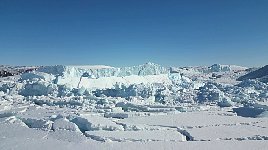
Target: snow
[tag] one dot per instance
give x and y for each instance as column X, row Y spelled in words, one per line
column 136, row 136
column 146, row 106
column 232, row 132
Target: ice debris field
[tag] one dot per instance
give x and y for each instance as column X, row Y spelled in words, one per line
column 141, row 107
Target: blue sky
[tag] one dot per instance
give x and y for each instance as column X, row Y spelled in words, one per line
column 131, row 32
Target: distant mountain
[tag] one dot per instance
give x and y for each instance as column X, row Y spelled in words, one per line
column 257, row 74
column 6, row 71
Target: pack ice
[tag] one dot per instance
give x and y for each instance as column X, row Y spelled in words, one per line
column 146, row 106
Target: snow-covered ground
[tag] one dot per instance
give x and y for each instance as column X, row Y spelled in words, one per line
column 140, row 107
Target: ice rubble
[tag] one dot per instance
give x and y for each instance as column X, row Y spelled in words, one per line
column 149, row 87
column 64, row 124
column 92, row 123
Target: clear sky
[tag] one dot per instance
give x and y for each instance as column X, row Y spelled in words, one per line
column 132, row 32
